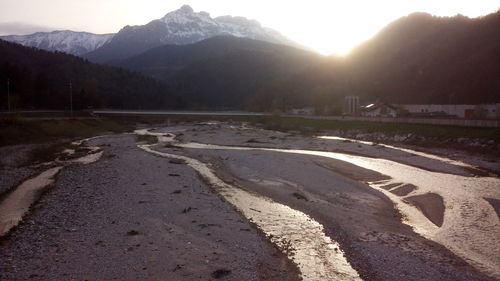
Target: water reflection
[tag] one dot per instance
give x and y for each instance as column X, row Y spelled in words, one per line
column 471, row 228
column 17, row 203
column 296, row 234
column 426, row 155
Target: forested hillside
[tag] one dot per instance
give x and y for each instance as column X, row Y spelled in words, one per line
column 222, row 72
column 416, row 59
column 40, row 80
column 426, row 59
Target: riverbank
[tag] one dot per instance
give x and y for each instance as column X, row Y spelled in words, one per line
column 480, row 146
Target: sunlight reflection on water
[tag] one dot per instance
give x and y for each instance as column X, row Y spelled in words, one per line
column 467, row 214
column 471, row 228
column 299, row 236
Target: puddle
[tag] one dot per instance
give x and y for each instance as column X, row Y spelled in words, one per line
column 317, row 256
column 17, row 203
column 470, row 226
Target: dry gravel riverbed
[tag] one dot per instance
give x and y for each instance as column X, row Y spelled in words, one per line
column 142, row 215
column 134, row 216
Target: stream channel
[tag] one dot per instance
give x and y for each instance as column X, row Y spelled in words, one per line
column 467, row 224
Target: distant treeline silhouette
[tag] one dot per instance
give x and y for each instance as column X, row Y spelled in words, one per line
column 41, row 80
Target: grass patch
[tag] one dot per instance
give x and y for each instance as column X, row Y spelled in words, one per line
column 19, row 130
column 306, row 126
column 46, row 153
column 16, row 131
column 426, row 130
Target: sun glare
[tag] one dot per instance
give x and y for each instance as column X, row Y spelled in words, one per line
column 327, row 26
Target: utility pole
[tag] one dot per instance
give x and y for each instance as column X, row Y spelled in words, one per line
column 71, row 98
column 8, row 94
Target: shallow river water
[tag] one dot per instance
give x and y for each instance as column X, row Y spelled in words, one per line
column 18, row 202
column 299, row 236
column 470, row 227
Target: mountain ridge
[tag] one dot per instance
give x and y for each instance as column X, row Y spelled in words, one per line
column 180, row 27
column 163, row 61
column 432, row 60
column 67, row 41
column 416, row 59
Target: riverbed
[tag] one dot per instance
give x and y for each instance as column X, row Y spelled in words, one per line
column 234, row 202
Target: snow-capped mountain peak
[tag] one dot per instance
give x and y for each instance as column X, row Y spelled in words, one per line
column 180, row 27
column 186, row 16
column 185, row 9
column 71, row 42
column 191, row 26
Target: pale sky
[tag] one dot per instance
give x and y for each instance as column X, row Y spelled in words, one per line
column 327, row 26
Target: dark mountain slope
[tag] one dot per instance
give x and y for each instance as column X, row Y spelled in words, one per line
column 163, row 62
column 40, row 79
column 416, row 59
column 223, row 71
column 426, row 59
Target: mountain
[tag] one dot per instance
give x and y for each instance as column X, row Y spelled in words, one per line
column 426, row 59
column 183, row 26
column 417, row 59
column 164, row 61
column 223, row 72
column 40, row 80
column 71, row 42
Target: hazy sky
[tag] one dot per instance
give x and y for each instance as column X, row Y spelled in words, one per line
column 328, row 26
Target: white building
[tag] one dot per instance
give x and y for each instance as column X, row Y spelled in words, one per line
column 379, row 110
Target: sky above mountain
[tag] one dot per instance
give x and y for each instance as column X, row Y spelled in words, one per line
column 327, row 26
